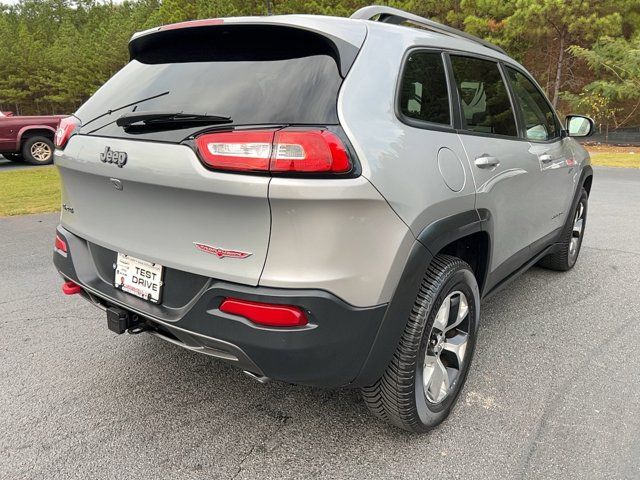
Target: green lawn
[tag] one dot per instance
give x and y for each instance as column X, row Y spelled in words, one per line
column 37, row 190
column 629, row 160
column 34, row 190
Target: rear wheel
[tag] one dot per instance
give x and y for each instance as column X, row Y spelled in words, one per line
column 13, row 157
column 430, row 365
column 38, row 151
column 567, row 255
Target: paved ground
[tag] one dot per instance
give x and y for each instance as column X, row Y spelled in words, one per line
column 6, row 165
column 554, row 390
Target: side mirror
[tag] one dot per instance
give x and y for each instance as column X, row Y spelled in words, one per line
column 580, row 126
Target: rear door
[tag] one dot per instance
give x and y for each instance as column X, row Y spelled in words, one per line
column 503, row 169
column 159, row 202
column 542, row 129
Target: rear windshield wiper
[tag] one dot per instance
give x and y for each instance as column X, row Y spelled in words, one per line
column 151, row 120
column 109, row 112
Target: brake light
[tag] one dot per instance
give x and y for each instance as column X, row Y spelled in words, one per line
column 309, row 151
column 288, row 150
column 60, row 244
column 207, row 22
column 66, row 128
column 266, row 314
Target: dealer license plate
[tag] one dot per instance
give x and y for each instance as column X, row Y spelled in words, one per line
column 139, row 277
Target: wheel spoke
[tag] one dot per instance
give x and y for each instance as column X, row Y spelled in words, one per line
column 461, row 312
column 457, row 346
column 577, row 227
column 442, row 317
column 438, row 386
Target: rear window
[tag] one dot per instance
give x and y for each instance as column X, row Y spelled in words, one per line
column 254, row 82
column 423, row 92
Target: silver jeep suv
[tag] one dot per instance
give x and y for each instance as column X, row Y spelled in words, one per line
column 317, row 200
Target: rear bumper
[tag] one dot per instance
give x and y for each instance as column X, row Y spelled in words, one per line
column 333, row 350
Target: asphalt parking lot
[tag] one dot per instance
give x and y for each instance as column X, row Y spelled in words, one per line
column 554, row 390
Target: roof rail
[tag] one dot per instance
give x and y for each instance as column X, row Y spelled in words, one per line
column 396, row 17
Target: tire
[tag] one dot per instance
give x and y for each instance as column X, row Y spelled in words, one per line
column 13, row 157
column 399, row 397
column 38, row 151
column 571, row 240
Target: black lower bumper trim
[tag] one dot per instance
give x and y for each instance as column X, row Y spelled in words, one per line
column 330, row 351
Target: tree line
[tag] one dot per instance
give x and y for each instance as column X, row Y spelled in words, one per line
column 585, row 53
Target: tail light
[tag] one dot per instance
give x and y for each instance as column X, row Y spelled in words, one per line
column 266, row 314
column 288, row 150
column 238, row 150
column 66, row 128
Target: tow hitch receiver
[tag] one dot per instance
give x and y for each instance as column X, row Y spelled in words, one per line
column 119, row 321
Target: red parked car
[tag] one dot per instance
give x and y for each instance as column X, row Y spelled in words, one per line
column 28, row 139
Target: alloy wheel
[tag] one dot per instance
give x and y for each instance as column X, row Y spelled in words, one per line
column 41, row 152
column 576, row 234
column 446, row 351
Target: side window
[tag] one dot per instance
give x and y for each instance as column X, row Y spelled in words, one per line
column 540, row 122
column 484, row 97
column 423, row 90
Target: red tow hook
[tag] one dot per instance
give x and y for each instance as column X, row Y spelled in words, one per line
column 71, row 288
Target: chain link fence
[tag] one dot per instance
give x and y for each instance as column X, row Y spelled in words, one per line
column 619, row 136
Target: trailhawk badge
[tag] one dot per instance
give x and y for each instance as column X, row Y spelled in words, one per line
column 221, row 252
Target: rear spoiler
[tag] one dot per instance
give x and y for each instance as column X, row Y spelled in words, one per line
column 245, row 39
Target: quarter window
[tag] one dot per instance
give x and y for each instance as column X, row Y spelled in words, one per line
column 540, row 122
column 483, row 95
column 423, row 91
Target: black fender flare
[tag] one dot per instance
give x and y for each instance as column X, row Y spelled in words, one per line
column 428, row 243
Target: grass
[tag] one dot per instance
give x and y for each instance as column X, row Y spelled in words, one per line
column 628, row 160
column 33, row 190
column 37, row 190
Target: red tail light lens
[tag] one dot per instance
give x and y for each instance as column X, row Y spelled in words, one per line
column 287, row 150
column 266, row 314
column 309, row 151
column 60, row 244
column 66, row 128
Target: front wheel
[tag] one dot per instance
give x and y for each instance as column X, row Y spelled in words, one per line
column 38, row 151
column 569, row 246
column 430, row 365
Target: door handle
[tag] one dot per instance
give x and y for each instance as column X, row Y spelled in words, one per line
column 546, row 158
column 487, row 161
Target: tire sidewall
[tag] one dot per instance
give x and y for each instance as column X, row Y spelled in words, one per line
column 584, row 199
column 432, row 414
column 26, row 150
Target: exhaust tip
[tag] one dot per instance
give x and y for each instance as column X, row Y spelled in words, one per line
column 258, row 378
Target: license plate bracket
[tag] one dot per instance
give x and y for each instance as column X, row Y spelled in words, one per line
column 138, row 277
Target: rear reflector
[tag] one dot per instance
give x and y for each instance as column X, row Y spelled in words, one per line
column 60, row 244
column 288, row 150
column 266, row 314
column 71, row 288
